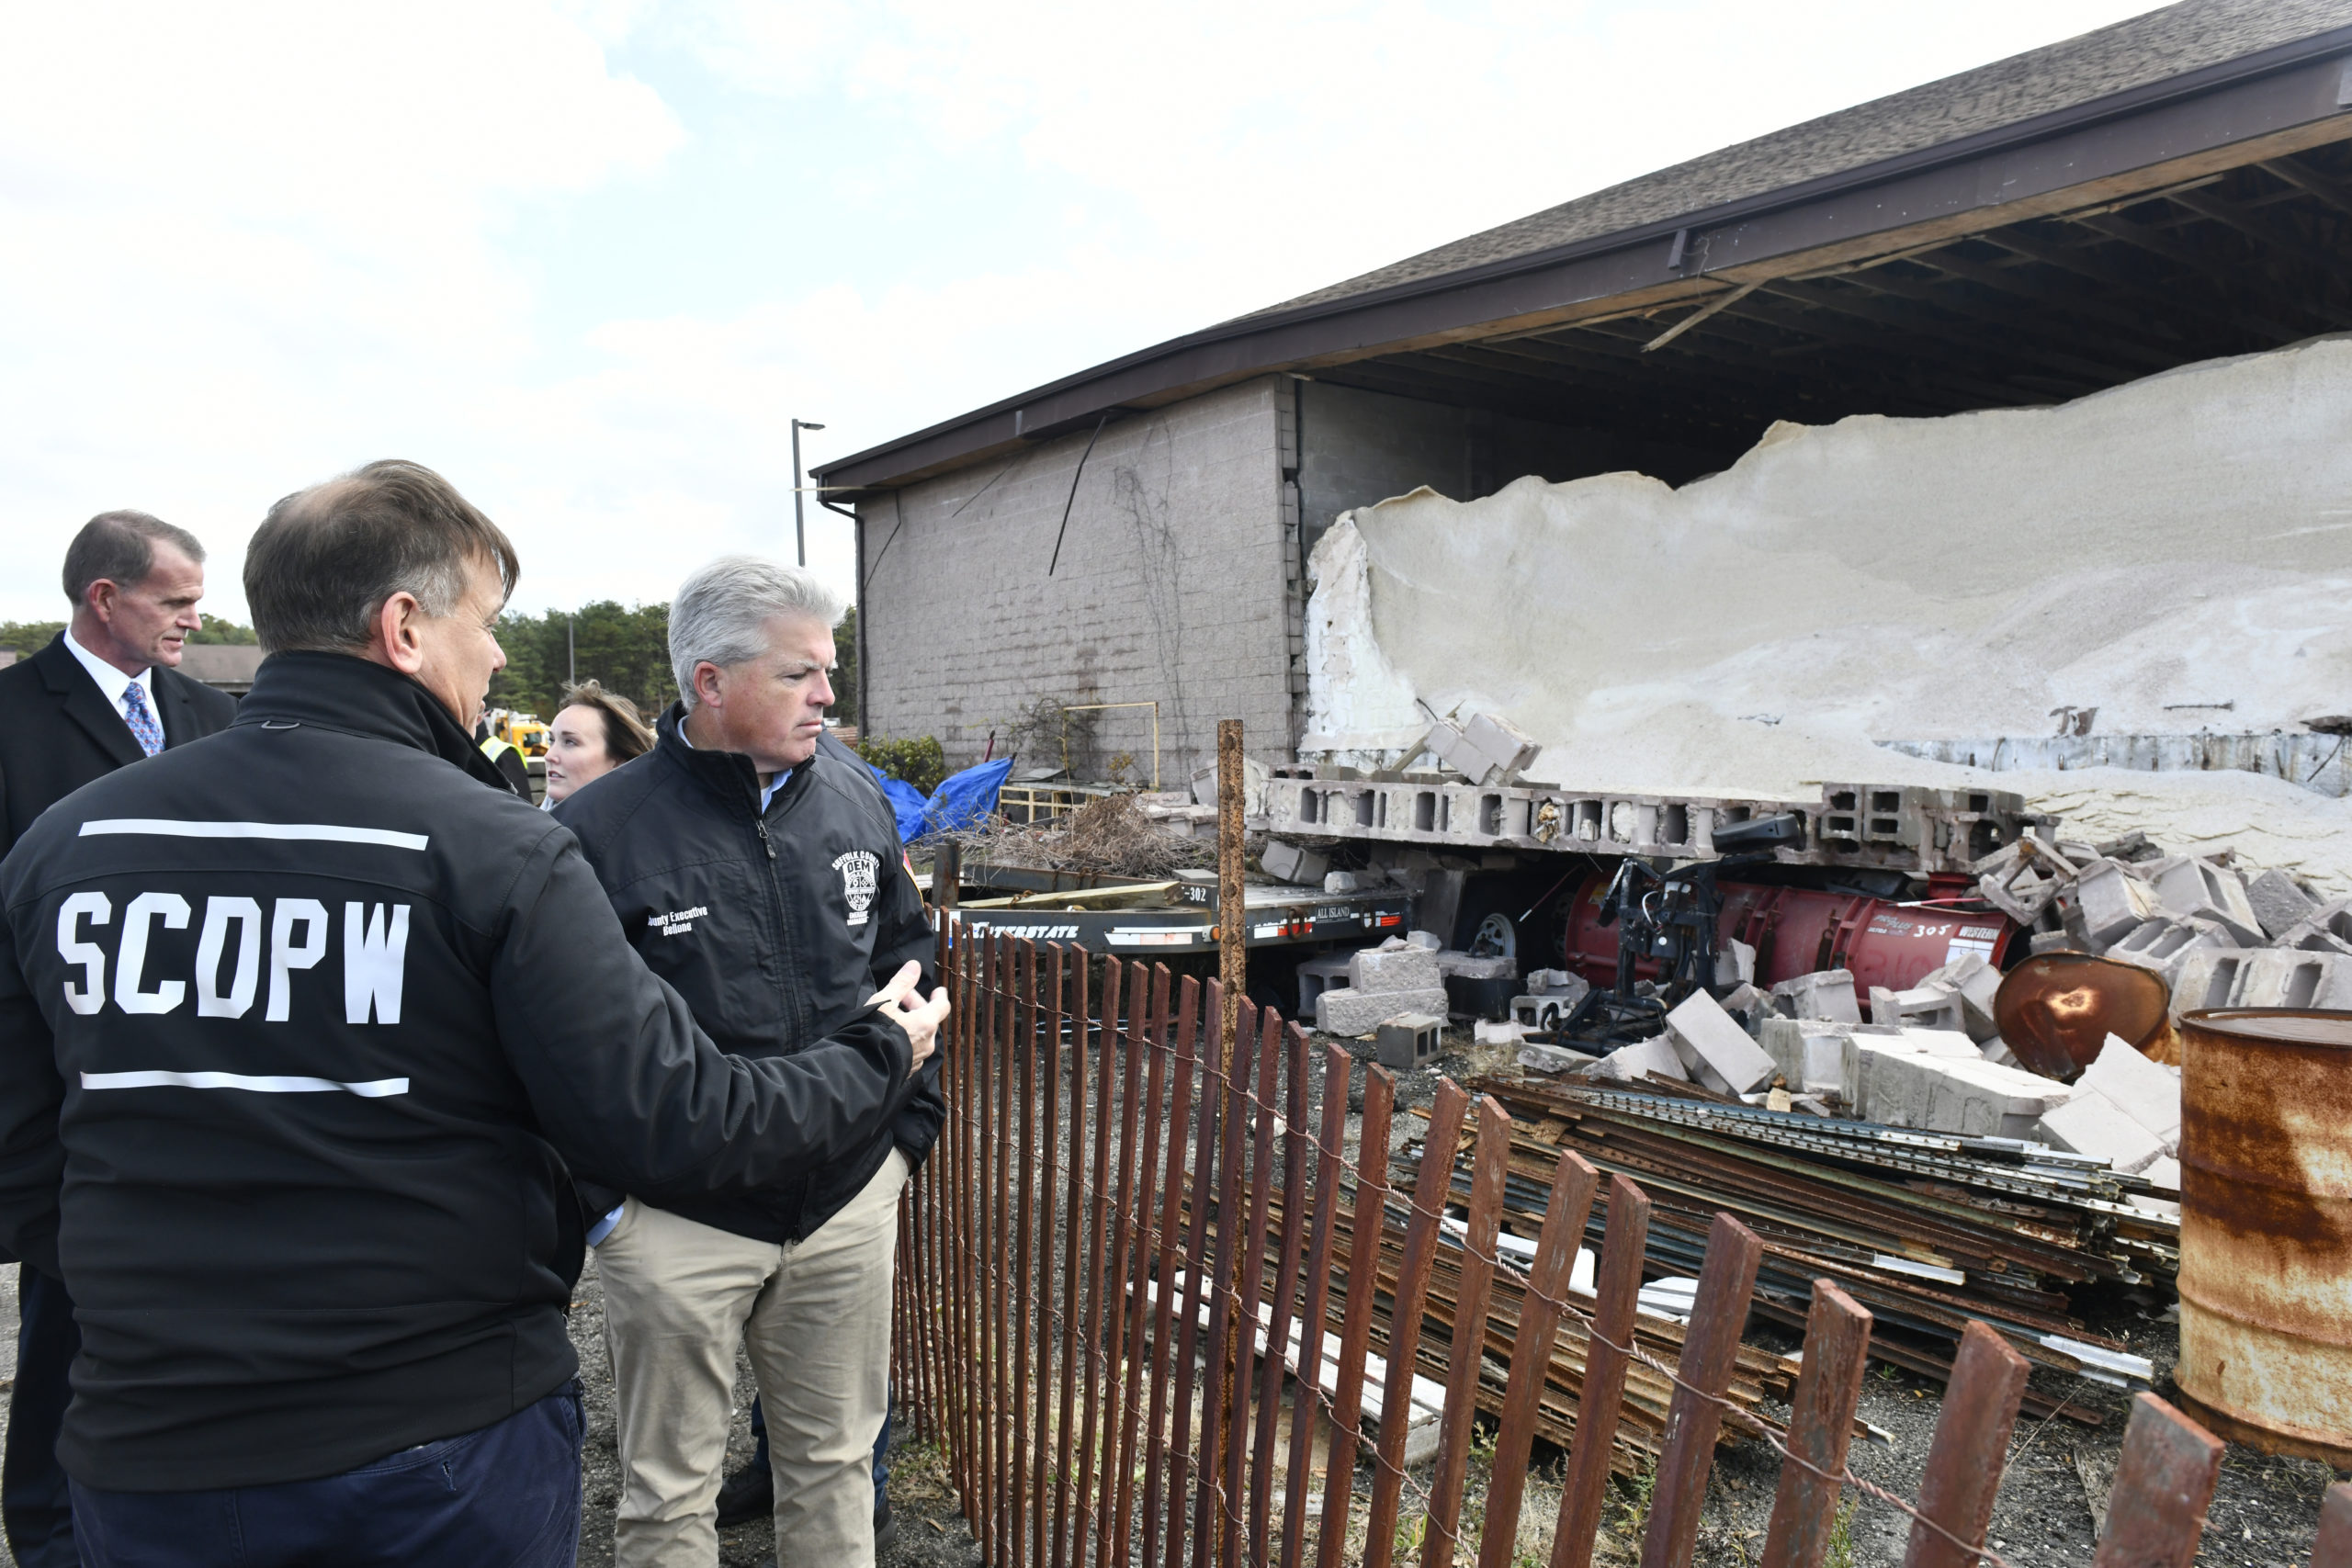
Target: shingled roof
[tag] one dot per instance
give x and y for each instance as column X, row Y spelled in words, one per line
column 2179, row 94
column 2153, row 48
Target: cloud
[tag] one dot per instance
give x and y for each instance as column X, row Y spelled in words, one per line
column 248, row 246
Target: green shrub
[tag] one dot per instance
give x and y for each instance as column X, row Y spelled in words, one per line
column 920, row 762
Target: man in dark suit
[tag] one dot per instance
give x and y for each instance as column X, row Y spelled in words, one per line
column 103, row 693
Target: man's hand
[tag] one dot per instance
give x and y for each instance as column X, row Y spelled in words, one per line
column 903, row 1005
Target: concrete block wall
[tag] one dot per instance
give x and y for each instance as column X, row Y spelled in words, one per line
column 1171, row 587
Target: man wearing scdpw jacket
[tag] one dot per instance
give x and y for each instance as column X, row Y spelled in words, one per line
column 756, row 866
column 303, row 1030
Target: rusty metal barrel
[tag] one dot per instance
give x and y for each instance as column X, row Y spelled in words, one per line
column 2265, row 1228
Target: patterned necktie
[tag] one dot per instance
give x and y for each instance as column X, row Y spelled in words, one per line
column 141, row 719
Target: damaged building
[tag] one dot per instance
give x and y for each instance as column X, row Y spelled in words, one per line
column 2171, row 192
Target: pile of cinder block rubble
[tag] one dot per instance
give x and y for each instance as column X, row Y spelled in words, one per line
column 1401, row 982
column 1928, row 1059
column 2218, row 938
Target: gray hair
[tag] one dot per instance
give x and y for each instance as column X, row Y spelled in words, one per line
column 119, row 547
column 720, row 615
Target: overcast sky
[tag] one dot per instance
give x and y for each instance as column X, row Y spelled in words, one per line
column 588, row 259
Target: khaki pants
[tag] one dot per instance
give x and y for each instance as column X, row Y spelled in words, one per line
column 816, row 1320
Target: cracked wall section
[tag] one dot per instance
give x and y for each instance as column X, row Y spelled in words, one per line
column 1170, row 587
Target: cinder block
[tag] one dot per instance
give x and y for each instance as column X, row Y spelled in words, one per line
column 2141, row 1088
column 1996, row 1051
column 2021, row 879
column 2188, row 887
column 2286, row 978
column 1340, row 881
column 2106, row 901
column 1505, row 748
column 1424, row 939
column 1319, row 974
column 1746, row 1003
column 1978, row 983
column 1823, row 994
column 1630, row 1062
column 1952, row 1043
column 1492, row 1032
column 1701, row 1022
column 1547, row 1011
column 2279, row 903
column 1865, row 1057
column 1805, row 1053
column 1409, row 1039
column 2207, row 978
column 2165, row 943
column 1973, row 1097
column 1925, row 1006
column 2327, row 929
column 1554, row 1059
column 1292, row 863
column 1735, row 964
column 1347, row 1011
column 2090, row 1124
column 1544, row 982
column 1500, row 967
column 1398, row 969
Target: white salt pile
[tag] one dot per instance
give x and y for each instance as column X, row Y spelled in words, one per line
column 2184, row 539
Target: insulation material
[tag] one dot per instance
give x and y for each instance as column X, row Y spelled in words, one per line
column 2183, row 540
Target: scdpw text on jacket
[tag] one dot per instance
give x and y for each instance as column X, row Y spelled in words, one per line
column 303, row 1029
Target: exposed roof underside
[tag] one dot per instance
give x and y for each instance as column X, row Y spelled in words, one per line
column 2032, row 312
column 2178, row 187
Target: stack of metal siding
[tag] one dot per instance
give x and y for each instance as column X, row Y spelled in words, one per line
column 1927, row 1230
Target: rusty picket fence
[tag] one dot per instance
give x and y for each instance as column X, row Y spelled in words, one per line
column 1124, row 1314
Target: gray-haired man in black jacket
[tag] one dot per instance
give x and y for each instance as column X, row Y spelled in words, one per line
column 303, row 1030
column 758, row 870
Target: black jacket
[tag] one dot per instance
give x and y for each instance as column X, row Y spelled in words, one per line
column 58, row 732
column 775, row 927
column 326, row 1011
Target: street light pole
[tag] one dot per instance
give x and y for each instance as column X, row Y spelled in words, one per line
column 799, row 526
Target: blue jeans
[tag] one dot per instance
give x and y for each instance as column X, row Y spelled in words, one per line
column 507, row 1496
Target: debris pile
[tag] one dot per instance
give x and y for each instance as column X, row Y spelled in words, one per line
column 1757, row 1376
column 2216, row 938
column 1398, row 977
column 1113, row 836
column 1927, row 1230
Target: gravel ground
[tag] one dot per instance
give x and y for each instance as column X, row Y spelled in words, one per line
column 932, row 1534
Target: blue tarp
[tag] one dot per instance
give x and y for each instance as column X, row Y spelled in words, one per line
column 965, row 798
column 960, row 800
column 905, row 801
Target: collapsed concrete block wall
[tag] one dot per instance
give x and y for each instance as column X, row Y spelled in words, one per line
column 2180, row 540
column 1170, row 587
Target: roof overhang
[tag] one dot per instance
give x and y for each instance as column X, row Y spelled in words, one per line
column 2100, row 153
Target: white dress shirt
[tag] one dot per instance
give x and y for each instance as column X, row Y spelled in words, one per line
column 114, row 682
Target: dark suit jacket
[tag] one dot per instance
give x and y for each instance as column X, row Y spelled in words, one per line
column 58, row 732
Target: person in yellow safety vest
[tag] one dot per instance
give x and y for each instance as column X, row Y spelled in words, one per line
column 508, row 761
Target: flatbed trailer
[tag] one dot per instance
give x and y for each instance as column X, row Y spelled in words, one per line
column 1132, row 916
